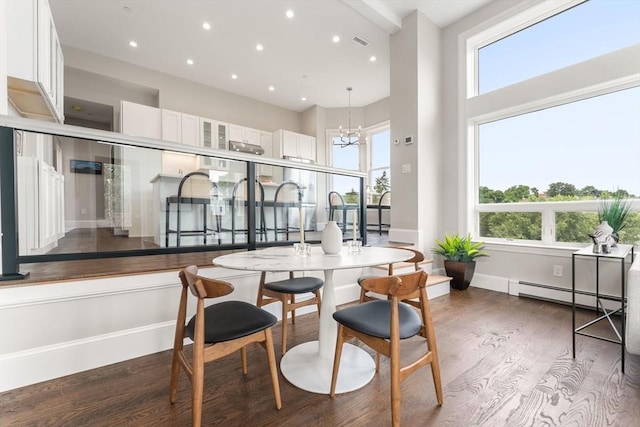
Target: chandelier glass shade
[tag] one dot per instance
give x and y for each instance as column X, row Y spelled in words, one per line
column 347, row 136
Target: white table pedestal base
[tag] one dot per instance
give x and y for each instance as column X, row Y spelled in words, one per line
column 303, row 367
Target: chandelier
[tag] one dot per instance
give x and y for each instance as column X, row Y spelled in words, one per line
column 348, row 137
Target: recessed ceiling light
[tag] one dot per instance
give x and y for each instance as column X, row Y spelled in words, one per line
column 271, row 88
column 304, row 98
column 206, row 25
column 132, row 43
column 335, row 39
column 234, row 76
column 289, row 13
column 372, row 59
column 190, row 61
column 259, row 47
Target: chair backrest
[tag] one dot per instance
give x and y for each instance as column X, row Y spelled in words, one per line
column 385, row 199
column 288, row 192
column 417, row 258
column 399, row 286
column 195, row 185
column 203, row 287
column 240, row 191
column 335, row 199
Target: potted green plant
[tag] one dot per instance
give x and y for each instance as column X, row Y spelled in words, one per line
column 615, row 212
column 459, row 258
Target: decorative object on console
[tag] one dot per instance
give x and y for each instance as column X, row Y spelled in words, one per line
column 331, row 238
column 615, row 212
column 460, row 254
column 348, row 137
column 602, row 238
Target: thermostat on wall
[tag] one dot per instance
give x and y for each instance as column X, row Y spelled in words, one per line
column 408, row 140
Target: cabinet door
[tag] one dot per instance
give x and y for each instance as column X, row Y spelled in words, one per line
column 236, row 133
column 252, row 136
column 171, row 125
column 207, row 133
column 140, row 120
column 60, row 85
column 222, row 132
column 289, row 144
column 307, row 147
column 190, row 132
column 45, row 50
column 21, row 35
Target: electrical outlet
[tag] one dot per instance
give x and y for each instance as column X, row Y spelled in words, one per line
column 557, row 270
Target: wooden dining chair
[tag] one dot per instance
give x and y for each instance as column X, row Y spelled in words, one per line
column 416, row 259
column 216, row 331
column 285, row 291
column 381, row 324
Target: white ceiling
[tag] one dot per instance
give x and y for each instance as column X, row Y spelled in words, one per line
column 299, row 58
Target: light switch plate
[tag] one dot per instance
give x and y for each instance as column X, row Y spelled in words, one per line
column 406, row 168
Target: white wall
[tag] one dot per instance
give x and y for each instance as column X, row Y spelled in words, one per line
column 183, row 95
column 416, row 112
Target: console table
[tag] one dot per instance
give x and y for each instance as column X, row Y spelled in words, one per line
column 618, row 253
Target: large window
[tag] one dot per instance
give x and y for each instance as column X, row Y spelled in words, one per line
column 380, row 162
column 546, row 155
column 588, row 30
column 345, row 158
column 372, row 157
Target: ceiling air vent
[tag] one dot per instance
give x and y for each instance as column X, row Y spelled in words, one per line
column 360, row 41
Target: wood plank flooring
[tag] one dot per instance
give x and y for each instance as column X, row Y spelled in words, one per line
column 506, row 361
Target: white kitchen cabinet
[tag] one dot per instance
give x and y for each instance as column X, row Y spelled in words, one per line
column 171, row 125
column 140, row 120
column 292, row 144
column 190, row 129
column 41, row 205
column 244, row 134
column 213, row 134
column 180, row 127
column 35, row 64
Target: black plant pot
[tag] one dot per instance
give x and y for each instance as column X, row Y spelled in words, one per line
column 461, row 273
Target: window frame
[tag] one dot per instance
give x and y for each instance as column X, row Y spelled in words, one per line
column 484, row 109
column 375, row 129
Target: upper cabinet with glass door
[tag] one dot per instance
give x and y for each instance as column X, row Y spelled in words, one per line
column 213, row 134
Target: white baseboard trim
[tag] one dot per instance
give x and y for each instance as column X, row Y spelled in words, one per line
column 44, row 363
column 399, row 235
column 489, row 282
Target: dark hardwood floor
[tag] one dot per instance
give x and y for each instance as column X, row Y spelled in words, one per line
column 506, row 361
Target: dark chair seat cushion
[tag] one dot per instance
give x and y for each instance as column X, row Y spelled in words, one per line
column 297, row 285
column 374, row 318
column 229, row 320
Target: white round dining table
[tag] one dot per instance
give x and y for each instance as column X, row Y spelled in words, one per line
column 309, row 366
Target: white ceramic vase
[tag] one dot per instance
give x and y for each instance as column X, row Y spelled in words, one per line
column 331, row 238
